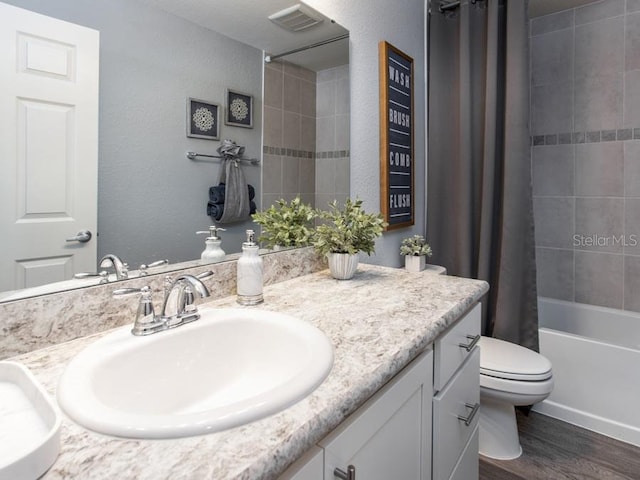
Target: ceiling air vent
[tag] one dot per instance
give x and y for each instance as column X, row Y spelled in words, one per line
column 297, row 18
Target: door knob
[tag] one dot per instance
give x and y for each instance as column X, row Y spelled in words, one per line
column 83, row 236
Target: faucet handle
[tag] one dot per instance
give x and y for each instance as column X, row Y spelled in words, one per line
column 144, row 269
column 146, row 321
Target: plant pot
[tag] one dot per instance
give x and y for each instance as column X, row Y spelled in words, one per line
column 342, row 265
column 415, row 263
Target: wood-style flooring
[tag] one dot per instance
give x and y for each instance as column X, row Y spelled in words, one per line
column 555, row 450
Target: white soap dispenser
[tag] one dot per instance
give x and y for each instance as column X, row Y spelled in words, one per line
column 249, row 273
column 213, row 251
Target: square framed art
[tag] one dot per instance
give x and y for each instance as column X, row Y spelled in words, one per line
column 239, row 109
column 203, row 119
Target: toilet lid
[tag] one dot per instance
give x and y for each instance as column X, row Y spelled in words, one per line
column 510, row 361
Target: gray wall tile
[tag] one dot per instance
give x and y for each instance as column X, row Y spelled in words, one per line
column 632, row 169
column 599, row 10
column 271, row 174
column 272, row 127
column 555, row 273
column 553, row 170
column 632, row 283
column 599, row 48
column 633, row 5
column 326, row 99
column 551, row 23
column 291, row 94
column 291, row 130
column 552, row 108
column 632, row 98
column 632, row 227
column 273, row 83
column 290, row 175
column 598, row 102
column 307, row 133
column 599, row 224
column 552, row 57
column 554, row 221
column 632, row 42
column 307, row 98
column 600, row 169
column 598, row 277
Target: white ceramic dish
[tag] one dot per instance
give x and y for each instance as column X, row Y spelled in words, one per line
column 29, row 425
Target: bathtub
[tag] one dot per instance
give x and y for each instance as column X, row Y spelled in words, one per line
column 595, row 353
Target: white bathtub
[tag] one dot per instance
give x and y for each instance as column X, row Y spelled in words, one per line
column 595, row 353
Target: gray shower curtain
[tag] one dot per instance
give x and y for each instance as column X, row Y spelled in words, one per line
column 479, row 206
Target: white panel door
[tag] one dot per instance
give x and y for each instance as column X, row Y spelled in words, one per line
column 48, row 147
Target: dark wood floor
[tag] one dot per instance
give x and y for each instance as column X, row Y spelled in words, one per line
column 555, row 450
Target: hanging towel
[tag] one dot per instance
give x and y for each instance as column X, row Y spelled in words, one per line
column 215, row 210
column 236, row 197
column 216, row 194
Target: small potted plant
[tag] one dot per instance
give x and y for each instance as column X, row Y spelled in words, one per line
column 415, row 250
column 343, row 233
column 286, row 224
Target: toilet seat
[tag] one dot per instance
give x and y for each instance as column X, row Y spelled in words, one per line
column 508, row 361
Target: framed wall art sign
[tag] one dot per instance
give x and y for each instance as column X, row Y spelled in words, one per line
column 203, row 119
column 239, row 109
column 396, row 137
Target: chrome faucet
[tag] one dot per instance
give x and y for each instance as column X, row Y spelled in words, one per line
column 121, row 268
column 178, row 307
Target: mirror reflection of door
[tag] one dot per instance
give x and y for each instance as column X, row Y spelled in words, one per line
column 48, row 148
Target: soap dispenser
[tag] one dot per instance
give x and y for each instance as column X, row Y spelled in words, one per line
column 249, row 273
column 213, row 252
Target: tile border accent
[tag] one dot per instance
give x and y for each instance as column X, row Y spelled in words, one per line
column 594, row 136
column 291, row 152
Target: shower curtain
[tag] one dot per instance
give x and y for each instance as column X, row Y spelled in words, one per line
column 479, row 205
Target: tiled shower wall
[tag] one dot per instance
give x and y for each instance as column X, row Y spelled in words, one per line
column 332, row 135
column 585, row 121
column 289, row 140
column 306, row 134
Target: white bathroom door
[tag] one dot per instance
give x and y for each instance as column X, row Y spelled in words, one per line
column 48, row 147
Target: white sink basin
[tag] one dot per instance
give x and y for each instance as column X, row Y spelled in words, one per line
column 229, row 368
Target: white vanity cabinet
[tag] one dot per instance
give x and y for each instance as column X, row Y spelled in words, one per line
column 390, row 435
column 422, row 425
column 387, row 437
column 456, row 401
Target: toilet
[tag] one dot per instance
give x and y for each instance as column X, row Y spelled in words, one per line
column 510, row 375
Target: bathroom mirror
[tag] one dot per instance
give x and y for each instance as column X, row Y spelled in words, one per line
column 154, row 55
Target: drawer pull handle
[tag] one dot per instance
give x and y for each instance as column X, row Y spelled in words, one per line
column 469, row 418
column 350, row 474
column 469, row 346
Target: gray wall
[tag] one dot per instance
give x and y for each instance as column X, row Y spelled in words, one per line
column 401, row 23
column 585, row 85
column 151, row 198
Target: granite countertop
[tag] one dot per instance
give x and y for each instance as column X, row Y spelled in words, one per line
column 377, row 322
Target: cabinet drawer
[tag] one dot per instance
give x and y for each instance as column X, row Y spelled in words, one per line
column 449, row 350
column 308, row 467
column 469, row 463
column 460, row 399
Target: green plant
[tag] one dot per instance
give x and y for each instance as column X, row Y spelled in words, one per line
column 415, row 245
column 347, row 230
column 286, row 224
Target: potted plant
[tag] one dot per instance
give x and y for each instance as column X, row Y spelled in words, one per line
column 343, row 233
column 415, row 250
column 286, row 224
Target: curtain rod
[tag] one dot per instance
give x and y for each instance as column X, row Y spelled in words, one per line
column 271, row 58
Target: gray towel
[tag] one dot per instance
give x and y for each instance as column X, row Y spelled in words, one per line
column 236, row 198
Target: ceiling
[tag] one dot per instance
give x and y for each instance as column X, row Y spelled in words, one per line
column 538, row 8
column 247, row 21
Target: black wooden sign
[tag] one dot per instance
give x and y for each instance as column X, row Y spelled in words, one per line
column 396, row 137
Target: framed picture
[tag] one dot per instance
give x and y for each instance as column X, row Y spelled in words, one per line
column 239, row 109
column 396, row 137
column 203, row 119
